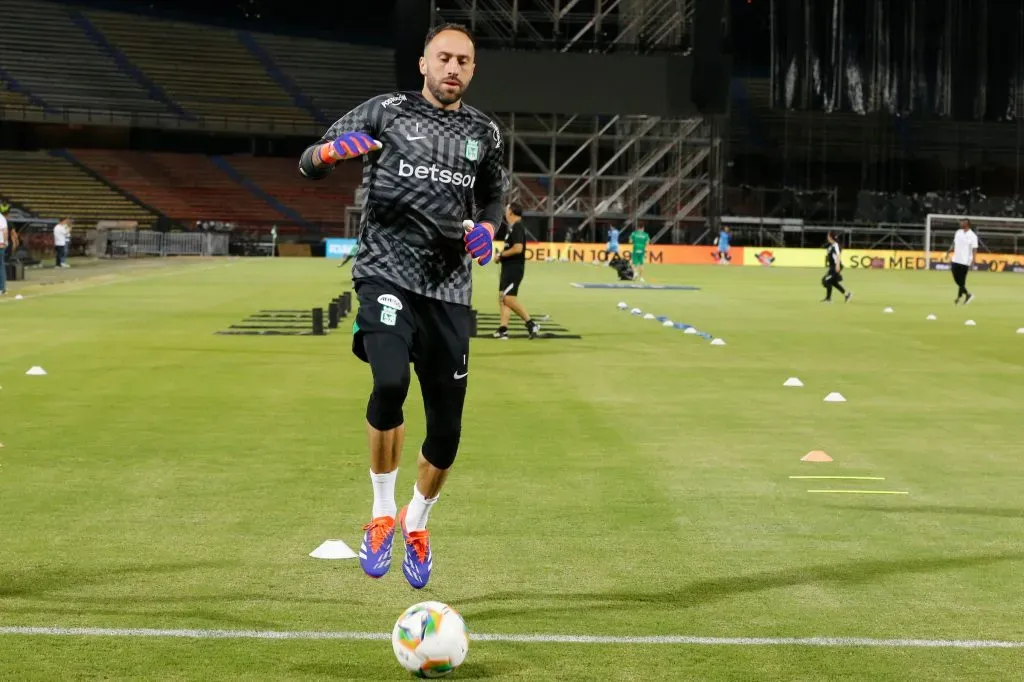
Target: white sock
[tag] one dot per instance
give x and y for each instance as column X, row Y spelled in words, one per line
column 384, row 494
column 419, row 510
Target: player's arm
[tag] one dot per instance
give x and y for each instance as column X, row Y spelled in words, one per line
column 489, row 198
column 352, row 135
column 515, row 243
column 490, row 187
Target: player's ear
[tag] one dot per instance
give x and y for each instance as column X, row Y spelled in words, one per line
column 423, row 66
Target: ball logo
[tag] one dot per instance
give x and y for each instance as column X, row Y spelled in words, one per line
column 435, row 174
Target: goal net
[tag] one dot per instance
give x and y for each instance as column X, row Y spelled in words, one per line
column 995, row 234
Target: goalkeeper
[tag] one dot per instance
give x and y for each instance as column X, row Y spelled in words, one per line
column 429, row 163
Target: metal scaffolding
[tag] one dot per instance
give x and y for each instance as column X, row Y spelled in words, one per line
column 582, row 173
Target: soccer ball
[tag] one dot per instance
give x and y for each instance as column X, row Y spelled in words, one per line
column 430, row 639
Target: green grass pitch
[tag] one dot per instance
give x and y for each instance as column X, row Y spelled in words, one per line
column 632, row 483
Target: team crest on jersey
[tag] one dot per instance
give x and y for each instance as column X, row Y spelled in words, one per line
column 472, row 150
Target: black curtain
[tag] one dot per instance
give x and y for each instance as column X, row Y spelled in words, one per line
column 958, row 59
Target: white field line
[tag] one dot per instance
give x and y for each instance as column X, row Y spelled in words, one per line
column 123, row 278
column 525, row 639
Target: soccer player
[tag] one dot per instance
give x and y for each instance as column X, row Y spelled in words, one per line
column 613, row 243
column 834, row 276
column 638, row 241
column 513, row 267
column 3, row 249
column 429, row 163
column 722, row 240
column 350, row 255
column 965, row 244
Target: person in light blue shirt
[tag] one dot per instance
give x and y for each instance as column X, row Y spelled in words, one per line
column 724, row 237
column 613, row 242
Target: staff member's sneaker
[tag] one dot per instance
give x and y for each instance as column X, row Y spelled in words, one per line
column 418, row 560
column 375, row 552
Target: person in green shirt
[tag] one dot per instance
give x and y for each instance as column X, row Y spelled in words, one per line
column 639, row 241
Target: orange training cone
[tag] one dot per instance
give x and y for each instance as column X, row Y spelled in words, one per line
column 816, row 456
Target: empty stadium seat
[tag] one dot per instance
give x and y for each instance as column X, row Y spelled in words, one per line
column 52, row 58
column 322, row 201
column 53, row 187
column 185, row 187
column 209, row 74
column 335, row 75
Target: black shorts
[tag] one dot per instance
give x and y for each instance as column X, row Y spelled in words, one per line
column 511, row 278
column 436, row 332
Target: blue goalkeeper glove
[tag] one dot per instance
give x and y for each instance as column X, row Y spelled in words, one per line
column 348, row 146
column 479, row 241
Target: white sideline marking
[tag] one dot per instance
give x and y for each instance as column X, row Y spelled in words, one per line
column 527, row 639
column 165, row 271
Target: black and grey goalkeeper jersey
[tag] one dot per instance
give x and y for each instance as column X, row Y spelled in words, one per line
column 435, row 169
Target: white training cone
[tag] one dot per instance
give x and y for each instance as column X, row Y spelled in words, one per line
column 333, row 549
column 931, row 317
column 717, row 342
column 887, row 310
column 690, row 330
column 18, row 297
column 622, row 305
column 36, row 371
column 835, row 398
column 1021, row 330
column 636, row 311
column 793, row 381
column 649, row 316
column 970, row 323
column 668, row 323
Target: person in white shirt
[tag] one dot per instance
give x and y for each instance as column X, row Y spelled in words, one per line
column 61, row 237
column 965, row 244
column 3, row 252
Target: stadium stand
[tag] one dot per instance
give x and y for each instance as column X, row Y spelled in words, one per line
column 336, row 76
column 131, row 172
column 185, row 187
column 11, row 98
column 52, row 57
column 212, row 74
column 317, row 202
column 50, row 186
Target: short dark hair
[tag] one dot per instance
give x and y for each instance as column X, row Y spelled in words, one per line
column 432, row 33
column 516, row 209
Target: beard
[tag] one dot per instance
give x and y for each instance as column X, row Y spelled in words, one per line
column 441, row 92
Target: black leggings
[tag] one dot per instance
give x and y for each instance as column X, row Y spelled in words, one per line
column 960, row 277
column 388, row 357
column 832, row 281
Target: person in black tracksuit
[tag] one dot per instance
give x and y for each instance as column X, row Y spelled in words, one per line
column 834, row 277
column 513, row 268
